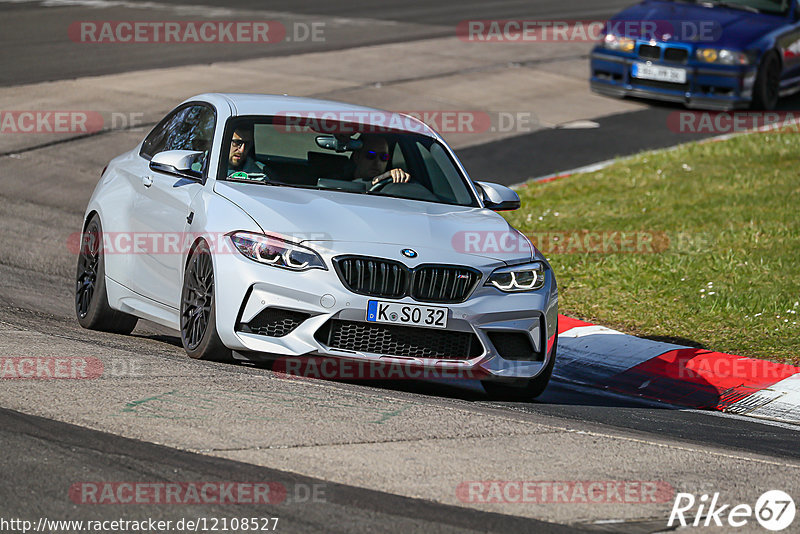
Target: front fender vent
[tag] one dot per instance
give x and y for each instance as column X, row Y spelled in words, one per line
column 273, row 322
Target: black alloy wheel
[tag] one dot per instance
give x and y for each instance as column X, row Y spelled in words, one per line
column 198, row 318
column 91, row 298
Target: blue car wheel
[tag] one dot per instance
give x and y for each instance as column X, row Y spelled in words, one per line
column 765, row 92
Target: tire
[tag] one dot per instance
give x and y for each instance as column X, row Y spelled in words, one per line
column 767, row 85
column 524, row 389
column 198, row 316
column 91, row 299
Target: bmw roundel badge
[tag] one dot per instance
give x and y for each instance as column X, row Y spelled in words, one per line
column 409, row 253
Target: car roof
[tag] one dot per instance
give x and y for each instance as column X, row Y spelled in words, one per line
column 262, row 104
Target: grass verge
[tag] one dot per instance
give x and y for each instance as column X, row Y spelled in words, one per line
column 698, row 245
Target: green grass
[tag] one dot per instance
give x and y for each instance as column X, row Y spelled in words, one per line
column 728, row 279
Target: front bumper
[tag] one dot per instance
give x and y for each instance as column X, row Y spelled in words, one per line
column 317, row 299
column 706, row 87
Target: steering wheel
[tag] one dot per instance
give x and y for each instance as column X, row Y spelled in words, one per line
column 380, row 184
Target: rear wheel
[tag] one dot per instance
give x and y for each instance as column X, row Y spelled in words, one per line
column 91, row 299
column 767, row 85
column 523, row 389
column 198, row 317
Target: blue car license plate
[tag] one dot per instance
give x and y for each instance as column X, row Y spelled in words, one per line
column 658, row 73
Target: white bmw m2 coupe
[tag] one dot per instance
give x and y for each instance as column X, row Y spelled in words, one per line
column 263, row 227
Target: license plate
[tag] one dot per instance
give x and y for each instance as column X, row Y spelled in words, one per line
column 659, row 73
column 406, row 314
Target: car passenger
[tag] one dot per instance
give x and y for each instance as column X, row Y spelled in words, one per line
column 241, row 154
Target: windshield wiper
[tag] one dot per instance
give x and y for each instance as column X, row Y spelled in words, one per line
column 255, row 178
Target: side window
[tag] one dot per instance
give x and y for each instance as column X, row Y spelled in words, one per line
column 188, row 128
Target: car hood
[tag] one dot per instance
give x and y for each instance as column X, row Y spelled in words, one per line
column 336, row 216
column 723, row 27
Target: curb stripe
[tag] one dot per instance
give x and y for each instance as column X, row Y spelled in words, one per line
column 684, row 376
column 722, row 371
column 567, row 323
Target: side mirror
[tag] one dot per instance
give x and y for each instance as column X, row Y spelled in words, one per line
column 498, row 197
column 183, row 163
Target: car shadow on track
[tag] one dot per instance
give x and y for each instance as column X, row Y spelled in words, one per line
column 617, row 393
column 676, row 341
column 584, row 387
column 558, row 393
column 161, row 338
column 789, row 103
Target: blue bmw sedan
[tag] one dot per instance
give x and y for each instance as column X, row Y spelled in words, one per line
column 705, row 54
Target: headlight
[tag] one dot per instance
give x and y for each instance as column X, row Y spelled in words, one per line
column 623, row 44
column 528, row 277
column 276, row 252
column 722, row 56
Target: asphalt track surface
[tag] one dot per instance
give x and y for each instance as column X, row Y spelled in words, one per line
column 42, row 457
column 71, row 448
column 37, row 47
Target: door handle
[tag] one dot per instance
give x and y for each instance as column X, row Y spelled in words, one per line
column 147, row 181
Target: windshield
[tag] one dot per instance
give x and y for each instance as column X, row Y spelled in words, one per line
column 343, row 156
column 773, row 7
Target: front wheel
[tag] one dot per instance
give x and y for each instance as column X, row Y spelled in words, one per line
column 523, row 389
column 767, row 85
column 198, row 317
column 91, row 298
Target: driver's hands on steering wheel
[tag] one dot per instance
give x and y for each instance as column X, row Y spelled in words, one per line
column 397, row 175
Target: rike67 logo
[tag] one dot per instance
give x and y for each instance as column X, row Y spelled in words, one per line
column 774, row 510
